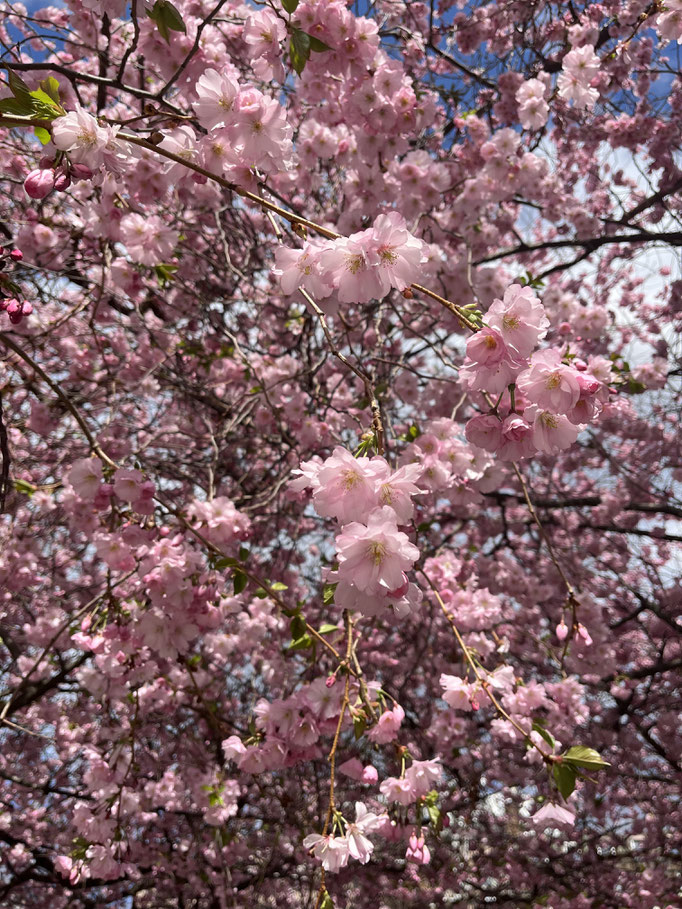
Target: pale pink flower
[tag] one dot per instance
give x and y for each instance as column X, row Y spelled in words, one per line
column 553, row 432
column 301, row 268
column 423, row 775
column 128, row 484
column 86, row 476
column 346, row 264
column 359, row 846
column 458, row 693
column 484, row 431
column 346, row 486
column 398, row 790
column 487, row 348
column 217, row 93
column 398, row 489
column 549, row 383
column 394, row 251
column 79, row 134
column 148, row 240
column 553, row 815
column 374, row 556
column 387, row 727
column 520, row 318
column 233, row 748
column 582, row 62
column 517, row 438
column 262, row 32
column 332, row 851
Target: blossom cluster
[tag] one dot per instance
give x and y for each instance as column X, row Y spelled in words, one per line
column 334, row 851
column 373, row 555
column 579, row 67
column 355, row 269
column 553, row 398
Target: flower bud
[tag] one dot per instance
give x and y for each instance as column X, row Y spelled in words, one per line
column 39, row 183
column 62, row 181
column 562, row 630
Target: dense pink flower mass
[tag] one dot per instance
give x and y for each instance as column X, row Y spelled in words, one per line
column 340, row 479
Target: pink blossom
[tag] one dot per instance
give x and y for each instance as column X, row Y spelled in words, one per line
column 86, row 476
column 549, row 383
column 487, row 347
column 347, row 266
column 553, row 432
column 484, row 431
column 387, row 727
column 397, row 490
column 520, row 319
column 301, row 267
column 217, row 93
column 417, row 852
column 458, row 693
column 374, row 556
column 398, row 790
column 360, row 846
column 394, row 251
column 128, row 484
column 346, row 486
column 332, row 851
column 553, row 815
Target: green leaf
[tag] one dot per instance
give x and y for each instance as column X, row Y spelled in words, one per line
column 297, row 626
column 582, row 756
column 327, row 902
column 327, row 628
column 21, row 108
column 290, row 5
column 164, row 273
column 278, row 585
column 43, row 98
column 564, row 777
column 24, row 487
column 328, row 594
column 547, row 736
column 359, row 725
column 435, row 817
column 317, row 45
column 167, row 19
column 299, row 49
column 240, row 581
column 42, row 135
column 51, row 88
column 302, row 643
column 17, row 85
column 225, row 562
column 243, row 553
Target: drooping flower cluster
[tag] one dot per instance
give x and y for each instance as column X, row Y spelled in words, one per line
column 358, row 268
column 553, row 397
column 334, row 851
column 373, row 555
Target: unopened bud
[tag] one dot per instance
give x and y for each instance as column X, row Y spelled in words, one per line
column 562, row 630
column 39, row 183
column 62, row 181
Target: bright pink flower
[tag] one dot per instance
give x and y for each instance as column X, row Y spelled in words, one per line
column 517, row 438
column 39, row 183
column 374, row 556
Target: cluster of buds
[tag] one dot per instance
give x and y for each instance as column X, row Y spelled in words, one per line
column 16, row 309
column 52, row 175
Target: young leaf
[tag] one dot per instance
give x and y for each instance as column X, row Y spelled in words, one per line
column 547, row 736
column 290, row 5
column 167, row 19
column 240, row 581
column 582, row 756
column 327, row 628
column 42, row 135
column 359, row 725
column 51, row 88
column 19, row 88
column 317, row 45
column 564, row 777
column 299, row 49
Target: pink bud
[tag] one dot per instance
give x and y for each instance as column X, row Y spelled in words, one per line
column 39, row 183
column 81, row 172
column 61, row 182
column 330, row 681
column 17, row 255
column 584, row 634
column 562, row 630
column 399, row 592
